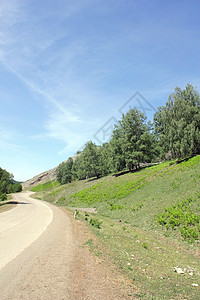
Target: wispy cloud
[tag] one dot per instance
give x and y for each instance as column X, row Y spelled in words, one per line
column 44, row 78
column 6, row 140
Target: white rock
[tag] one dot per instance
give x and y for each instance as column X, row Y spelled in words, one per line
column 195, row 284
column 178, row 270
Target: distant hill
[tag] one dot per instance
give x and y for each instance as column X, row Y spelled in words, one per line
column 42, row 177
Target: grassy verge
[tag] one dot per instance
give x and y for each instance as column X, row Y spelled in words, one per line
column 133, row 211
column 6, row 205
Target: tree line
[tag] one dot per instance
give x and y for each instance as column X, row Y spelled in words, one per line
column 8, row 184
column 174, row 133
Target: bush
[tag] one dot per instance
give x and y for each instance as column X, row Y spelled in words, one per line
column 183, row 216
column 96, row 223
column 3, row 197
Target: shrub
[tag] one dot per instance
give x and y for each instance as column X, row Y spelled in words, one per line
column 96, row 223
column 183, row 216
column 3, row 197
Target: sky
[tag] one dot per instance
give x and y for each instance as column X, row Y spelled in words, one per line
column 69, row 69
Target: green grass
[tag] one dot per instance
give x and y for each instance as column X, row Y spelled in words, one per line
column 146, row 220
column 185, row 217
column 45, row 186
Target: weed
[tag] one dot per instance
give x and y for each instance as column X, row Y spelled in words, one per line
column 96, row 223
column 113, row 206
column 145, row 246
column 183, row 216
column 89, row 242
column 98, row 253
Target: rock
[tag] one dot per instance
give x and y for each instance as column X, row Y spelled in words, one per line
column 195, row 284
column 178, row 270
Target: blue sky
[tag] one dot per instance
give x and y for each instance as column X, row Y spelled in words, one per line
column 68, row 67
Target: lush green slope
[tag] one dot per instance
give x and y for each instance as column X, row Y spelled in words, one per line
column 49, row 185
column 144, row 218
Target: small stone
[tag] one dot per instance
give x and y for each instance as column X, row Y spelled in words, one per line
column 178, row 270
column 195, row 284
column 128, row 264
column 191, row 273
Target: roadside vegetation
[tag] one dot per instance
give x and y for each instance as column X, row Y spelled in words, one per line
column 146, row 214
column 8, row 185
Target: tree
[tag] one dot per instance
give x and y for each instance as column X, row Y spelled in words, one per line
column 7, row 183
column 64, row 171
column 132, row 140
column 3, row 197
column 117, row 155
column 78, row 169
column 177, row 124
column 105, row 159
column 91, row 160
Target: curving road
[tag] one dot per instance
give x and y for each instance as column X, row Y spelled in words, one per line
column 22, row 225
column 36, row 251
column 42, row 256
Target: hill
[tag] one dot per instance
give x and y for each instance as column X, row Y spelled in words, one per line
column 49, row 175
column 40, row 179
column 147, row 223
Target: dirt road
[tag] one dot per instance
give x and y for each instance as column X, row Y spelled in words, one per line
column 22, row 225
column 55, row 264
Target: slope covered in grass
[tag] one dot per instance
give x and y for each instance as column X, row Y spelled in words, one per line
column 49, row 185
column 145, row 219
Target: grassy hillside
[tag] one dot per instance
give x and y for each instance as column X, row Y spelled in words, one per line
column 147, row 222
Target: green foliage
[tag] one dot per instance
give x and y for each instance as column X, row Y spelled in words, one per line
column 177, row 124
column 176, row 134
column 16, row 187
column 89, row 163
column 96, row 223
column 113, row 206
column 64, row 171
column 145, row 246
column 106, row 159
column 132, row 141
column 3, row 197
column 184, row 216
column 91, row 160
column 7, row 183
column 78, row 169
